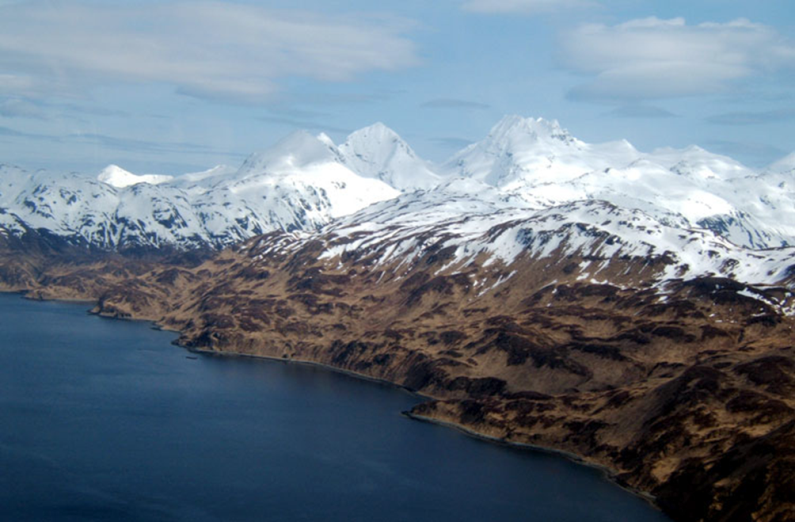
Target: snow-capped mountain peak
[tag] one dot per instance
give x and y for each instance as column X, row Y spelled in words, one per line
column 298, row 150
column 305, row 181
column 784, row 165
column 514, row 129
column 298, row 184
column 378, row 152
column 116, row 176
column 377, row 132
column 528, row 151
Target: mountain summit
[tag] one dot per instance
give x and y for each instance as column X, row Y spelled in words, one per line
column 116, row 176
column 304, row 181
column 521, row 151
column 378, row 152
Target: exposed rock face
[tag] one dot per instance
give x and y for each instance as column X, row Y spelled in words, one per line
column 686, row 389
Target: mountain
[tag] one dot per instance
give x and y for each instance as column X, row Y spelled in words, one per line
column 660, row 352
column 633, row 309
column 298, row 184
column 520, row 151
column 116, row 176
column 542, row 163
column 70, row 206
column 473, row 232
column 305, row 181
column 378, row 152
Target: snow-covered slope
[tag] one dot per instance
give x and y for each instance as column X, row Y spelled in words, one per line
column 305, row 172
column 784, row 165
column 304, row 182
column 298, row 184
column 519, row 151
column 486, row 230
column 542, row 163
column 378, row 152
column 116, row 176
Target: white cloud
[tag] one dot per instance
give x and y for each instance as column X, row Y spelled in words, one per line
column 652, row 58
column 523, row 6
column 203, row 48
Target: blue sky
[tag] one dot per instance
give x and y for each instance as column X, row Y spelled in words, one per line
column 173, row 87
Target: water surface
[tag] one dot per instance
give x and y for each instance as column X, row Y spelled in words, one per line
column 106, row 420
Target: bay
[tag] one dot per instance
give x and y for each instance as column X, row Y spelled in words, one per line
column 107, row 420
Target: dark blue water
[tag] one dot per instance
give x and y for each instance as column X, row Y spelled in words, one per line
column 106, row 420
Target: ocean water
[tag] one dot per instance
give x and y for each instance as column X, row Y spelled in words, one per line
column 107, row 420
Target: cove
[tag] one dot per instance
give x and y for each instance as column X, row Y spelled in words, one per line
column 106, row 420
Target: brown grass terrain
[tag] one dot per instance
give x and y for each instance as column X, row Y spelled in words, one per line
column 688, row 396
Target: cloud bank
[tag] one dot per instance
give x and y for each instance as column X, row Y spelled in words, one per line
column 205, row 49
column 651, row 58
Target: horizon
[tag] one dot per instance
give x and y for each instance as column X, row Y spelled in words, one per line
column 174, row 87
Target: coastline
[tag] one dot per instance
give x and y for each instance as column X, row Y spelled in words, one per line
column 306, row 362
column 26, row 294
column 608, row 473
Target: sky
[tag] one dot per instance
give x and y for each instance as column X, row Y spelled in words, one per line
column 174, row 87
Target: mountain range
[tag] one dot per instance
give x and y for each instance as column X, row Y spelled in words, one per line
column 304, row 182
column 633, row 309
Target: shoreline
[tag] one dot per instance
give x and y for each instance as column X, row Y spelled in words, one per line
column 305, row 362
column 26, row 294
column 608, row 473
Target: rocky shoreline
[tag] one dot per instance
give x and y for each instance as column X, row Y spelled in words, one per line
column 608, row 473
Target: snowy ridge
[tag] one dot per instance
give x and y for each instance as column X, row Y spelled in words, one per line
column 784, row 165
column 542, row 163
column 116, row 176
column 378, row 152
column 299, row 184
column 478, row 231
column 525, row 166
